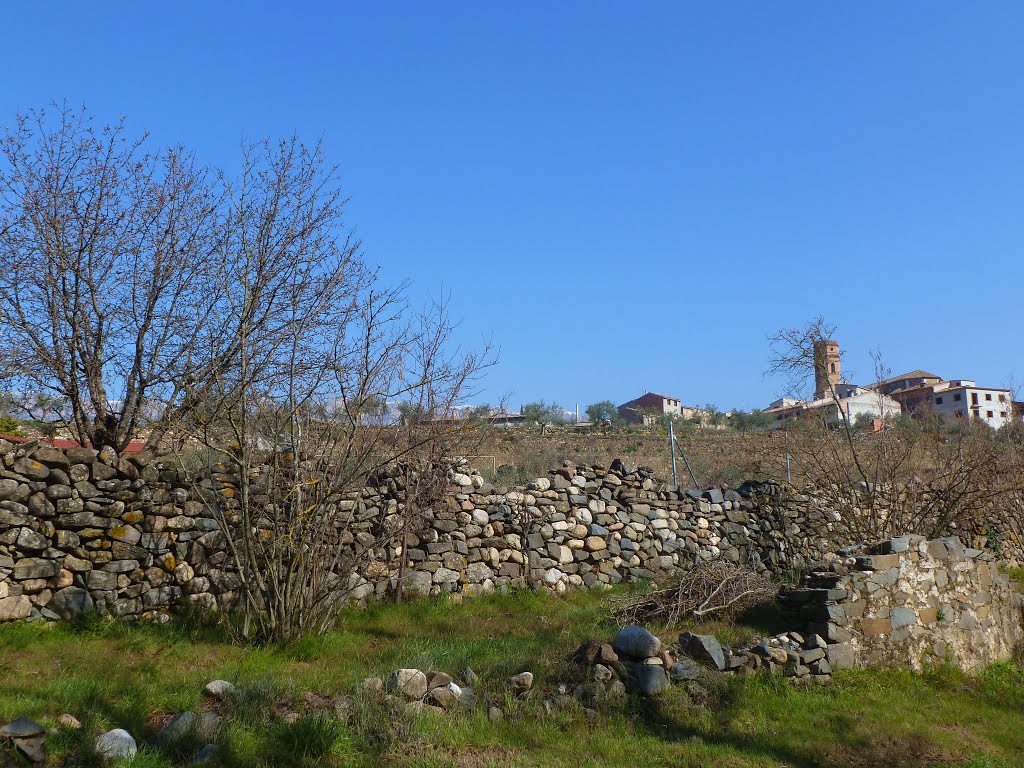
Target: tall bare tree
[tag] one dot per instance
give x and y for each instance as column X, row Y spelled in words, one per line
column 105, row 246
column 136, row 283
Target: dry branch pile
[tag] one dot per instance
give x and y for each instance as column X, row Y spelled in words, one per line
column 714, row 588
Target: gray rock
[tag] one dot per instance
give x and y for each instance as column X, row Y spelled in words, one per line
column 31, row 468
column 648, row 679
column 636, row 642
column 219, row 689
column 903, row 617
column 32, row 748
column 117, row 744
column 185, row 724
column 70, row 602
column 22, row 728
column 179, row 726
column 205, row 754
column 411, row 683
column 16, row 607
column 704, row 648
column 684, row 669
column 35, row 568
column 521, row 683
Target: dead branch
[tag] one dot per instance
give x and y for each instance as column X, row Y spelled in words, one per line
column 718, row 588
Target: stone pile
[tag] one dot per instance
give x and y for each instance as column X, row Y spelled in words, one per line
column 637, row 661
column 422, row 691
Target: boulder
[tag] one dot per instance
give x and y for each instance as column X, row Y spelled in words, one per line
column 70, row 602
column 636, row 642
column 703, row 648
column 117, row 744
column 411, row 683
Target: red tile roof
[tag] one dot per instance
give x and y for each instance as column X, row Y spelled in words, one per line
column 135, row 446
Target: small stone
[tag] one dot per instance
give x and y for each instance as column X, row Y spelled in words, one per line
column 494, row 714
column 69, row 721
column 117, row 744
column 411, row 683
column 469, row 677
column 219, row 689
column 521, row 683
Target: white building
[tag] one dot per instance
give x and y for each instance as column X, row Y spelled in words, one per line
column 855, row 402
column 964, row 399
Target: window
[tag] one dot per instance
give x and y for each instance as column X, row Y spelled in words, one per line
column 974, row 398
column 959, row 414
column 938, row 401
column 988, row 395
column 1002, row 398
column 989, row 414
column 1002, row 414
column 833, row 368
column 957, row 397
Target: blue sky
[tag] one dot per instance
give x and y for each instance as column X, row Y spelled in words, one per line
column 623, row 196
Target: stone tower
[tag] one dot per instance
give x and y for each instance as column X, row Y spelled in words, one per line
column 826, row 367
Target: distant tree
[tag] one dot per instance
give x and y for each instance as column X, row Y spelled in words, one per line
column 10, row 426
column 543, row 415
column 480, row 411
column 713, row 416
column 603, row 412
column 750, row 421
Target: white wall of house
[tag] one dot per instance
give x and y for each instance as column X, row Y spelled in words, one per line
column 963, row 400
column 866, row 404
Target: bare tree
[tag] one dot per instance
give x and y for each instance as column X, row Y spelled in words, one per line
column 104, row 251
column 137, row 286
column 300, row 446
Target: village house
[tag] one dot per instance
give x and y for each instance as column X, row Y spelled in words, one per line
column 835, row 398
column 921, row 393
column 648, row 408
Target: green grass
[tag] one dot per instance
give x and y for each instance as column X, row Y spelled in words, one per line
column 135, row 675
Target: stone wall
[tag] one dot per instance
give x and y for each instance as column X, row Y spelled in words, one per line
column 131, row 537
column 910, row 601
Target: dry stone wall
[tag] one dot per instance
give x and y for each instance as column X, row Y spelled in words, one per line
column 910, row 601
column 81, row 529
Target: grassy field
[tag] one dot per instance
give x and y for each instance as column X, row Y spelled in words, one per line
column 134, row 676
